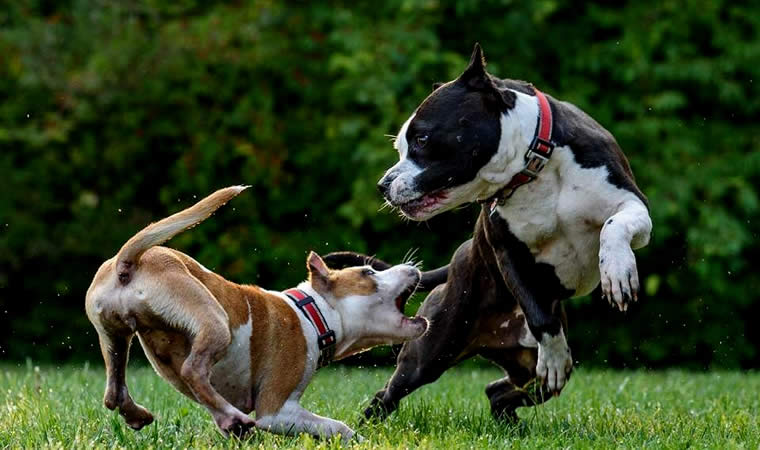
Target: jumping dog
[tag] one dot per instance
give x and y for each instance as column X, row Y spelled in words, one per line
column 560, row 213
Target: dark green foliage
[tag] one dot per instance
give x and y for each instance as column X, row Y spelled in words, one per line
column 114, row 114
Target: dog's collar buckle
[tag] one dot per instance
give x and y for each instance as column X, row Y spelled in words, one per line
column 536, row 158
column 325, row 336
column 535, row 163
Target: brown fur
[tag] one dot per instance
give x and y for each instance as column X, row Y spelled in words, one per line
column 194, row 328
column 339, row 283
column 220, row 307
column 351, row 282
column 185, row 318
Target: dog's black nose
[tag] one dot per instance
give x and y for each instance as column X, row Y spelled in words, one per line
column 384, row 186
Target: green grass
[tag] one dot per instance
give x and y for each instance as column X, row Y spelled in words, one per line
column 61, row 407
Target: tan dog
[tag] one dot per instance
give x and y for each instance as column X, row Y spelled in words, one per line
column 238, row 348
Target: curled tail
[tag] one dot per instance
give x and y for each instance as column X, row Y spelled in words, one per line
column 159, row 232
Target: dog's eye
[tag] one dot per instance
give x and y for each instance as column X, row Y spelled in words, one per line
column 422, row 141
column 368, row 272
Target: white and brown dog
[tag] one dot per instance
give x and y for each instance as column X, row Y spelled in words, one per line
column 238, row 348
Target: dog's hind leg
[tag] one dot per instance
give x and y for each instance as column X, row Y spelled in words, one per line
column 115, row 349
column 208, row 347
column 207, row 326
column 518, row 388
column 515, row 351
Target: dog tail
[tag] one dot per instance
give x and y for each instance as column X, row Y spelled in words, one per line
column 433, row 278
column 159, row 232
column 340, row 260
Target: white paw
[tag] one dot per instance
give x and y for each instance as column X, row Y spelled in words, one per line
column 619, row 277
column 554, row 361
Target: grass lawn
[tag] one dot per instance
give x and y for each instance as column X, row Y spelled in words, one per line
column 62, row 407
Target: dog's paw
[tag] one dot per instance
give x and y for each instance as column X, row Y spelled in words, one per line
column 619, row 277
column 378, row 409
column 237, row 425
column 554, row 362
column 136, row 416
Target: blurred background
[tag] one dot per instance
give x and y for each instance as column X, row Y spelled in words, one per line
column 117, row 113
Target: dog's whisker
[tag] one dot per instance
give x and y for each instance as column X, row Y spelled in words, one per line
column 410, row 259
column 408, row 256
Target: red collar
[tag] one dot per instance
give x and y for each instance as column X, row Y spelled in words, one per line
column 538, row 154
column 325, row 336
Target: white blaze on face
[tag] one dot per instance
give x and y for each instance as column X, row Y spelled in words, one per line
column 517, row 127
column 400, row 143
column 375, row 319
column 405, row 171
column 392, row 282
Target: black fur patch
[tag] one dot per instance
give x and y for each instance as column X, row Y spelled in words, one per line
column 536, row 282
column 462, row 122
column 463, row 130
column 592, row 145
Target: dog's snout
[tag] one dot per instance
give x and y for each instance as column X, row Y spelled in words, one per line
column 384, row 185
column 414, row 273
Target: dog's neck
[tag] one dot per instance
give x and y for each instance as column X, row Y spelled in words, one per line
column 346, row 334
column 518, row 127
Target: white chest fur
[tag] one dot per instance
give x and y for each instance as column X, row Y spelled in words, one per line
column 559, row 216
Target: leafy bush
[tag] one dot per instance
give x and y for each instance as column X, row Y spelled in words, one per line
column 118, row 113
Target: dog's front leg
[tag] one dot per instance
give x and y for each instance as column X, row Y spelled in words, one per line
column 627, row 229
column 293, row 419
column 543, row 315
column 554, row 359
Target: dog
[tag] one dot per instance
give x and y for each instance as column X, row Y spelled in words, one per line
column 560, row 213
column 238, row 348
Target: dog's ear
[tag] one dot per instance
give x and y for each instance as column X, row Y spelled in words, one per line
column 319, row 274
column 436, row 85
column 475, row 75
column 476, row 78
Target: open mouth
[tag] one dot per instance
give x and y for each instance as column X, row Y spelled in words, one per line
column 423, row 203
column 405, row 295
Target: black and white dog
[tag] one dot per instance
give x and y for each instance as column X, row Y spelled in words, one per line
column 561, row 211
